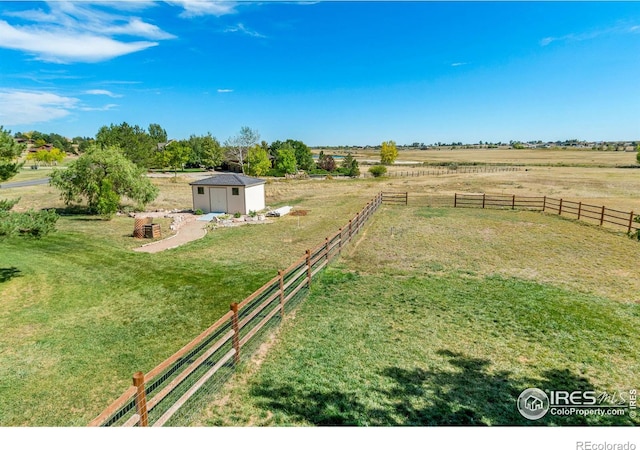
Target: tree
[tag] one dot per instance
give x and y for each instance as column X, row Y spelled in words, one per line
column 326, row 162
column 286, row 159
column 258, row 162
column 83, row 179
column 350, row 163
column 238, row 146
column 157, row 133
column 304, row 157
column 205, row 151
column 174, row 155
column 30, row 223
column 388, row 152
column 136, row 144
column 10, row 151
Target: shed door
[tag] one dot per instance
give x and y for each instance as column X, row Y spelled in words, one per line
column 218, row 199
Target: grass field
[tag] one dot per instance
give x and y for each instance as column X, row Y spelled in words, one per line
column 445, row 320
column 81, row 312
column 531, row 157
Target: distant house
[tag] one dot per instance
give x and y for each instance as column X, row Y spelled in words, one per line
column 228, row 193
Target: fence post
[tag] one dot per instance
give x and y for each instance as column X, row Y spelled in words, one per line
column 560, row 208
column 513, row 202
column 630, row 222
column 340, row 241
column 544, row 203
column 455, row 200
column 236, row 332
column 308, row 268
column 406, row 198
column 602, row 216
column 326, row 249
column 350, row 233
column 483, row 200
column 579, row 209
column 281, row 274
column 141, row 399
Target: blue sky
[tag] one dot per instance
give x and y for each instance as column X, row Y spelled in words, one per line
column 326, row 73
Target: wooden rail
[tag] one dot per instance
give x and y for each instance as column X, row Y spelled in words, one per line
column 446, row 171
column 568, row 208
column 158, row 395
column 395, row 197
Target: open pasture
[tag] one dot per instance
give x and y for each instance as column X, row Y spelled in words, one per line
column 442, row 316
column 81, row 312
column 520, row 157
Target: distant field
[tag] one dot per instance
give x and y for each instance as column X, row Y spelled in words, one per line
column 442, row 317
column 81, row 312
column 542, row 157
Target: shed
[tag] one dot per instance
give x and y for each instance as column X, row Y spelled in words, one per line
column 228, row 193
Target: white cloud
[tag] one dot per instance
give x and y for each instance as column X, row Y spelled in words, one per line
column 616, row 30
column 26, row 107
column 195, row 8
column 78, row 32
column 53, row 46
column 108, row 107
column 224, row 91
column 458, row 64
column 240, row 28
column 102, row 92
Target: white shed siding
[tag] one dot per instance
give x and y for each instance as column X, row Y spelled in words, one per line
column 200, row 201
column 235, row 203
column 254, row 197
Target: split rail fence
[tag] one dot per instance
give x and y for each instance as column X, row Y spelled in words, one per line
column 155, row 397
column 600, row 215
column 446, row 171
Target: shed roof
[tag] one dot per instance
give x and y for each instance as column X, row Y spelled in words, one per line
column 229, row 179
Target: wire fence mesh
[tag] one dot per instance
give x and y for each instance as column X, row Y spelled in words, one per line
column 179, row 387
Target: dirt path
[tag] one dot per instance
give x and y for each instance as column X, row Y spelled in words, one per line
column 190, row 231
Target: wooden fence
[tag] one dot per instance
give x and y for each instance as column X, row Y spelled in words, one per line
column 156, row 396
column 395, row 198
column 446, row 171
column 572, row 209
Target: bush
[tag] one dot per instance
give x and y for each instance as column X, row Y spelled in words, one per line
column 377, row 171
column 6, row 205
column 237, row 215
column 31, row 223
column 198, row 212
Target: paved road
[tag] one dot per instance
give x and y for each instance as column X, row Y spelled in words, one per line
column 17, row 184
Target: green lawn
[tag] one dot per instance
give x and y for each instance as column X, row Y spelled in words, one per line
column 409, row 329
column 81, row 312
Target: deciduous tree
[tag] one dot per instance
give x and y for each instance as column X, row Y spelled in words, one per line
column 83, row 179
column 286, row 159
column 388, row 152
column 237, row 146
column 136, row 144
column 258, row 162
column 175, row 155
column 206, row 151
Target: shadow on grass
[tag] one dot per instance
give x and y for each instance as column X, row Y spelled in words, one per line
column 7, row 273
column 467, row 393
